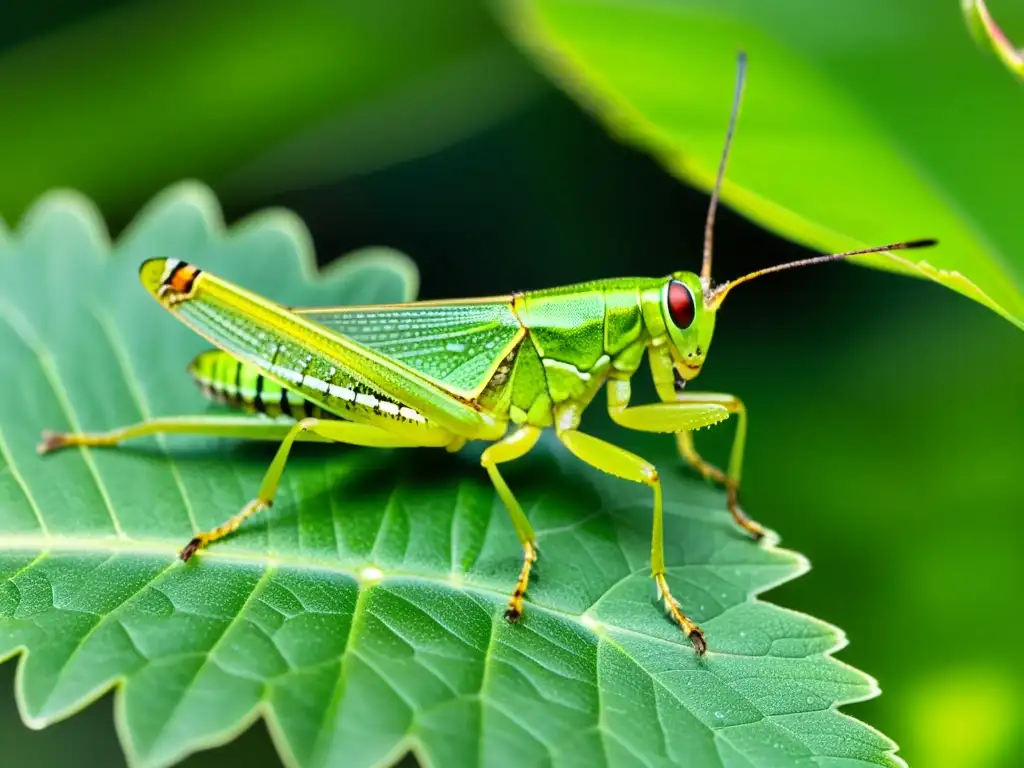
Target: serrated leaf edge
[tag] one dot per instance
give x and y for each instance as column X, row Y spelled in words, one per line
column 793, row 567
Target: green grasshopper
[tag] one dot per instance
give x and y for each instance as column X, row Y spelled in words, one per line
column 438, row 374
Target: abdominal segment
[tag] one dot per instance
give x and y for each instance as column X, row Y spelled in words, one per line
column 225, row 380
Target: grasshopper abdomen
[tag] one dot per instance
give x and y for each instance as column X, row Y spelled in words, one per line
column 227, row 381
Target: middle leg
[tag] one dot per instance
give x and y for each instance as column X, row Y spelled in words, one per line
column 621, row 463
column 514, row 446
column 691, row 411
column 730, row 479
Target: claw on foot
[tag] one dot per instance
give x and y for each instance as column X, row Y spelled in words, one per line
column 190, row 549
column 51, row 441
column 515, row 603
column 691, row 630
column 698, row 642
column 755, row 530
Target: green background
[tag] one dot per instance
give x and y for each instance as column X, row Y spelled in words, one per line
column 886, row 413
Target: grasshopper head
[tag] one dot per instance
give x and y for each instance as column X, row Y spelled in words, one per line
column 689, row 322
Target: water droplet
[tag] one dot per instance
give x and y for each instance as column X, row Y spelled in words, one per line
column 719, row 715
column 810, row 699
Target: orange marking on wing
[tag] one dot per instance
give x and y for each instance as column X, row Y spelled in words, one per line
column 182, row 279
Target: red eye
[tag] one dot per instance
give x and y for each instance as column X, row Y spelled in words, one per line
column 680, row 305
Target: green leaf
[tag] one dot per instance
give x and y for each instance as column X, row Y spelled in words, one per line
column 350, row 87
column 362, row 617
column 864, row 124
column 988, row 34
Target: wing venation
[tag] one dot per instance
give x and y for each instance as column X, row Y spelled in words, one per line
column 455, row 344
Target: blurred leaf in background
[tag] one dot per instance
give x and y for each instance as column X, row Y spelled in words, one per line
column 839, row 147
column 991, row 37
column 264, row 95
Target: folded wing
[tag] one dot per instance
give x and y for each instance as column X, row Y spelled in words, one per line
column 458, row 344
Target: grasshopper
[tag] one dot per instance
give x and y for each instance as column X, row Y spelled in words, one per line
column 438, row 374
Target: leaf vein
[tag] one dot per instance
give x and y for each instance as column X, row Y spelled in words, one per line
column 208, row 655
column 358, row 612
column 9, row 466
column 102, row 622
column 485, row 675
column 142, row 403
column 23, row 329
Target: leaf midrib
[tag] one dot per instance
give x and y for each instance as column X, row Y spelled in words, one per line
column 113, row 545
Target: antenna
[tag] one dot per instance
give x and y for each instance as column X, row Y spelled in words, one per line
column 709, row 224
column 714, row 300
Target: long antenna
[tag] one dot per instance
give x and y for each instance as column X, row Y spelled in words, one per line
column 709, row 224
column 716, row 296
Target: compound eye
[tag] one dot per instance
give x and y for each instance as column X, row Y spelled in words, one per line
column 680, row 305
